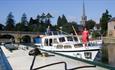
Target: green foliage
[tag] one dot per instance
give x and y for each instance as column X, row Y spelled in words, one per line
column 48, row 15
column 59, row 22
column 1, row 27
column 40, row 23
column 23, row 25
column 37, row 18
column 68, row 27
column 103, row 21
column 90, row 24
column 95, row 34
column 24, row 19
column 10, row 22
column 20, row 27
column 43, row 16
column 62, row 21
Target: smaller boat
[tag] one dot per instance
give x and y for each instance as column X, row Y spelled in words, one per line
column 68, row 44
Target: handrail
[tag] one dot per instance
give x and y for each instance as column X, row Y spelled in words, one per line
column 65, row 66
column 82, row 67
column 51, row 65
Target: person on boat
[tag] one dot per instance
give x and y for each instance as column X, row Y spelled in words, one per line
column 48, row 30
column 85, row 37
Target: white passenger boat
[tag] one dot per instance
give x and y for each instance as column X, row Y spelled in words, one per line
column 68, row 44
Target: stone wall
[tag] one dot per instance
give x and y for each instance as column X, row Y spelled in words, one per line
column 113, row 33
column 109, row 45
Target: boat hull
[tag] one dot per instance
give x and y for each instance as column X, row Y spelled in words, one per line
column 88, row 53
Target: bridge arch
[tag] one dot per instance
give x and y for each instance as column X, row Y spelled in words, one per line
column 17, row 36
column 7, row 38
column 26, row 39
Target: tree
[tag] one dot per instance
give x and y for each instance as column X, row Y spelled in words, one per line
column 1, row 27
column 103, row 21
column 20, row 27
column 68, row 27
column 24, row 22
column 59, row 22
column 38, row 19
column 48, row 16
column 43, row 17
column 24, row 19
column 31, row 21
column 64, row 20
column 10, row 24
column 33, row 25
column 90, row 24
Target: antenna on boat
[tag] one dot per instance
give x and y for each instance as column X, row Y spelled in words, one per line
column 74, row 31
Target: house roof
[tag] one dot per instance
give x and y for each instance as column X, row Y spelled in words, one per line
column 112, row 19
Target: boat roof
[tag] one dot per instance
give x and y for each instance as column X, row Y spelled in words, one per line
column 55, row 34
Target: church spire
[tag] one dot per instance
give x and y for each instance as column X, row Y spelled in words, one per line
column 84, row 17
column 83, row 8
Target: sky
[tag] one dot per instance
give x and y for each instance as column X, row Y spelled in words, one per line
column 72, row 9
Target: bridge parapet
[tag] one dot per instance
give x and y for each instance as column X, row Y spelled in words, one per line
column 17, row 32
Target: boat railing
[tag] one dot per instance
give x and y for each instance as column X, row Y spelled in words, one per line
column 56, row 33
column 65, row 66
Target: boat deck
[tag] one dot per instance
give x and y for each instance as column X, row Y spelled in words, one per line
column 20, row 60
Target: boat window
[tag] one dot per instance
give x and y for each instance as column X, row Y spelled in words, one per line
column 50, row 42
column 92, row 44
column 46, row 42
column 67, row 46
column 62, row 39
column 55, row 33
column 88, row 55
column 69, row 38
column 75, row 38
column 55, row 40
column 78, row 45
column 59, row 46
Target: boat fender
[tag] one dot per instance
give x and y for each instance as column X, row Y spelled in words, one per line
column 45, row 54
column 35, row 52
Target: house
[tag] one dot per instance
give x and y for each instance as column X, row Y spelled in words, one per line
column 111, row 27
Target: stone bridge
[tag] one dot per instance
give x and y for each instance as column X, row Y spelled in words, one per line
column 18, row 36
